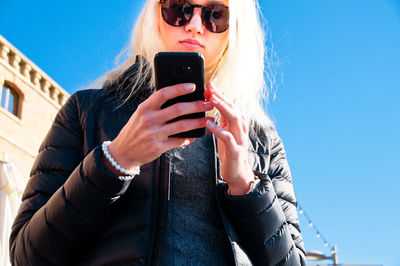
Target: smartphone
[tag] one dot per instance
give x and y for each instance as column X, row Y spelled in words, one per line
column 173, row 68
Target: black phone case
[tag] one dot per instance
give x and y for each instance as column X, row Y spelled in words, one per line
column 173, row 68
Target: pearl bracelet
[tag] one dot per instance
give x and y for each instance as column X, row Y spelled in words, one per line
column 129, row 174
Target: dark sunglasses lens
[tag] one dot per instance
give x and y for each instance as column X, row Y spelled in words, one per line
column 176, row 12
column 216, row 18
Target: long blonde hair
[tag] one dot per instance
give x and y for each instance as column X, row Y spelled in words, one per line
column 240, row 73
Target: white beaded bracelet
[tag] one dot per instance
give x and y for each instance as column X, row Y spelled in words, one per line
column 129, row 174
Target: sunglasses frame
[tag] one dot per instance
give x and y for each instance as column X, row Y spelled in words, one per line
column 162, row 2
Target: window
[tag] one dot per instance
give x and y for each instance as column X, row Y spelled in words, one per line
column 9, row 99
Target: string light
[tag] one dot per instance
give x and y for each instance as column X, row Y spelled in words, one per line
column 312, row 225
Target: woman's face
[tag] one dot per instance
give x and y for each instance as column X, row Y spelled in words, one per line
column 194, row 37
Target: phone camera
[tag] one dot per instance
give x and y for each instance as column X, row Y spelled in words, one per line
column 179, row 70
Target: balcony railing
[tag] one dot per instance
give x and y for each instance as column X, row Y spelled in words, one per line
column 32, row 74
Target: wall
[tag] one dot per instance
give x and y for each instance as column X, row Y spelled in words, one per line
column 40, row 99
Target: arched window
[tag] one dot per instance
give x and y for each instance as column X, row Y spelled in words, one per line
column 9, row 99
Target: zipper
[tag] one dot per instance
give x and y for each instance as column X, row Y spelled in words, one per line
column 221, row 213
column 154, row 213
column 159, row 210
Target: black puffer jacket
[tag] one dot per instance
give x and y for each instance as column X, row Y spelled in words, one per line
column 76, row 212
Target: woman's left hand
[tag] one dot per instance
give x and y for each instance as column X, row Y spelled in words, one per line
column 232, row 134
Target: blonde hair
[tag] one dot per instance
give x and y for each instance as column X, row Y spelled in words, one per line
column 240, row 73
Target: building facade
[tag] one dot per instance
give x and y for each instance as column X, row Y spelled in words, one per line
column 29, row 101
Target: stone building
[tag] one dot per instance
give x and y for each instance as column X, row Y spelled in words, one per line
column 29, row 101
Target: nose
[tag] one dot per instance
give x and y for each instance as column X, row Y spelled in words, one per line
column 195, row 24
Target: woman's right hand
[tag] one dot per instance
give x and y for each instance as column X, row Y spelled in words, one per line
column 145, row 136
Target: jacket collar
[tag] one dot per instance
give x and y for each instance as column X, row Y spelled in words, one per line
column 119, row 90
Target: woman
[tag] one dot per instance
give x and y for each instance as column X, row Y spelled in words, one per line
column 143, row 198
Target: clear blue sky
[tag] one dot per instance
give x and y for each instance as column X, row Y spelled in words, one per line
column 336, row 105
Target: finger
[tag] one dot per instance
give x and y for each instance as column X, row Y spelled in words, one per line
column 191, row 140
column 161, row 96
column 207, row 93
column 183, row 125
column 172, row 143
column 229, row 117
column 184, row 108
column 212, row 90
column 227, row 111
column 244, row 124
column 225, row 136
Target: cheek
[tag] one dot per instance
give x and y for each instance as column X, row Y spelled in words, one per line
column 170, row 41
column 168, row 37
column 219, row 45
column 164, row 34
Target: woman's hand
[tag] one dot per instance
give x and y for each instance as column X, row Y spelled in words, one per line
column 145, row 136
column 232, row 134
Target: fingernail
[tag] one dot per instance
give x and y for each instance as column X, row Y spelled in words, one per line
column 211, row 124
column 190, row 86
column 208, row 105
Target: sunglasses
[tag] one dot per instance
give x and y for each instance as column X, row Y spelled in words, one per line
column 215, row 17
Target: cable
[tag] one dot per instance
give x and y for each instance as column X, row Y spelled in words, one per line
column 312, row 225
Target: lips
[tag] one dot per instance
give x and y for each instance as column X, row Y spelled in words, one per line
column 191, row 43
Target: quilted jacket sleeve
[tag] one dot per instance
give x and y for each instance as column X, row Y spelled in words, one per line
column 266, row 220
column 66, row 198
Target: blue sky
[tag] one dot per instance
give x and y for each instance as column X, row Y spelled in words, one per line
column 336, row 105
